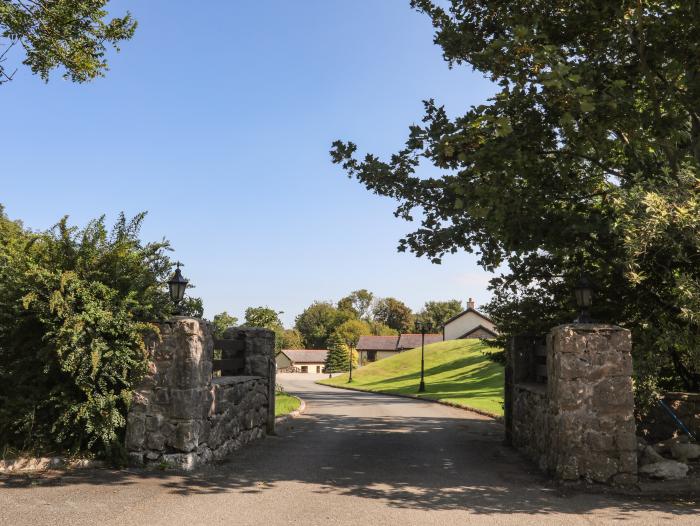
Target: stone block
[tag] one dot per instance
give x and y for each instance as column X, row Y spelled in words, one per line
column 187, row 436
column 665, row 470
column 614, row 395
column 184, row 461
column 153, row 423
column 135, row 458
column 155, row 442
column 188, row 403
column 135, row 431
column 161, row 396
column 599, row 441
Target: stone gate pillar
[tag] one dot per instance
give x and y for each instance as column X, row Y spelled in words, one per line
column 591, row 404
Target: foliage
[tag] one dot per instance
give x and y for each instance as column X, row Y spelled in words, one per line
column 193, row 307
column 586, row 160
column 318, row 321
column 359, row 303
column 264, row 317
column 338, row 358
column 72, row 34
column 438, row 312
column 394, row 314
column 379, row 329
column 349, row 332
column 76, row 307
column 290, row 339
column 456, row 371
column 221, row 322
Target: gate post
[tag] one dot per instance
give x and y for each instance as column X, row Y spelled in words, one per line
column 591, row 404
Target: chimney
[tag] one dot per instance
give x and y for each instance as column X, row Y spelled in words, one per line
column 471, row 304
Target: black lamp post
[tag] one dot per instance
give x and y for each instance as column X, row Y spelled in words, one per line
column 584, row 298
column 350, row 354
column 177, row 286
column 422, row 328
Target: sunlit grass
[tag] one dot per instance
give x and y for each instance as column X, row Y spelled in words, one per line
column 285, row 404
column 456, row 371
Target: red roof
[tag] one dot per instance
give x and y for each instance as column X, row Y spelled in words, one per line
column 411, row 341
column 306, row 355
column 377, row 343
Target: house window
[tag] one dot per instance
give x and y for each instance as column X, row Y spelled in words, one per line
column 371, row 356
column 304, row 369
column 318, row 368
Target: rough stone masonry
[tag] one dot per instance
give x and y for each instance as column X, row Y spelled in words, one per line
column 181, row 416
column 581, row 424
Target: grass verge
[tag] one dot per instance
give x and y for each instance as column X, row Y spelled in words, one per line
column 285, row 404
column 457, row 372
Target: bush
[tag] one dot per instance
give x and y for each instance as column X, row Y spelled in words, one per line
column 75, row 308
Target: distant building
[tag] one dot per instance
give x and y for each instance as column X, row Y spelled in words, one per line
column 301, row 360
column 373, row 348
column 469, row 324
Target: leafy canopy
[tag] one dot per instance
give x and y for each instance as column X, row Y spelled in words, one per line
column 585, row 160
column 73, row 34
column 438, row 312
column 76, row 308
column 221, row 322
column 394, row 314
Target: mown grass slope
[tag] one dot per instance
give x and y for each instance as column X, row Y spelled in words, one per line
column 456, row 371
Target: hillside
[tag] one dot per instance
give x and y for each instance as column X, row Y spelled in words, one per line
column 456, row 371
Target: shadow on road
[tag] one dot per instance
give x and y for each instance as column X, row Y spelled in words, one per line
column 418, row 462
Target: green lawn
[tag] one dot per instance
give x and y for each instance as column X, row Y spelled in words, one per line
column 456, row 371
column 285, row 403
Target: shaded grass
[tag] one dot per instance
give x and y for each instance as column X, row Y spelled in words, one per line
column 456, row 371
column 285, row 404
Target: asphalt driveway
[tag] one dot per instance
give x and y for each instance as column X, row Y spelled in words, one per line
column 351, row 458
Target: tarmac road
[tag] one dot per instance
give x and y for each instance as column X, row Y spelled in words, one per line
column 352, row 458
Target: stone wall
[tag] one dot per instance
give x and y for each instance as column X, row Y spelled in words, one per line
column 581, row 425
column 658, row 425
column 183, row 417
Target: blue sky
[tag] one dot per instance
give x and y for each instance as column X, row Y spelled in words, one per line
column 217, row 119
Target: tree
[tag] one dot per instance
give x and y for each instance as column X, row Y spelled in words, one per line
column 76, row 309
column 394, row 314
column 72, row 34
column 586, row 160
column 221, row 322
column 379, row 329
column 359, row 303
column 349, row 332
column 338, row 358
column 438, row 312
column 264, row 317
column 318, row 321
column 290, row 339
column 192, row 306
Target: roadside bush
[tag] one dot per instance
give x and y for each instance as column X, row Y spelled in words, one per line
column 75, row 308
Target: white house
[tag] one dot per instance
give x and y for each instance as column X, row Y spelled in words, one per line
column 469, row 324
column 301, row 360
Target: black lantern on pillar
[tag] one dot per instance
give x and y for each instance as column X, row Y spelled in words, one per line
column 584, row 299
column 177, row 286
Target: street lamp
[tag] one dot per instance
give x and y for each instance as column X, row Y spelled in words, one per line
column 422, row 327
column 584, row 298
column 350, row 354
column 177, row 286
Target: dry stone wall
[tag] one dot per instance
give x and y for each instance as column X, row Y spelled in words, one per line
column 581, row 425
column 183, row 417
